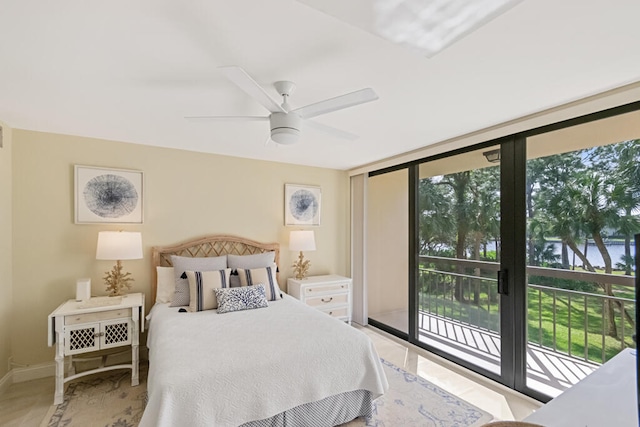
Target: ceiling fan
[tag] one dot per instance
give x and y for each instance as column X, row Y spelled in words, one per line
column 286, row 122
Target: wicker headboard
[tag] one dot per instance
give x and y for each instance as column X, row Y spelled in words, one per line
column 209, row 246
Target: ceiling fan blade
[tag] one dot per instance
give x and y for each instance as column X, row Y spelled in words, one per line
column 244, row 81
column 338, row 103
column 231, row 118
column 331, row 130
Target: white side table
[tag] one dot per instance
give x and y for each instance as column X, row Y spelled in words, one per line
column 96, row 324
column 330, row 294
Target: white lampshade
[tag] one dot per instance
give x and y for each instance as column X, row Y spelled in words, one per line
column 119, row 245
column 302, row 240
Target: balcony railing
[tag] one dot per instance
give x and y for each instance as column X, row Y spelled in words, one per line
column 572, row 322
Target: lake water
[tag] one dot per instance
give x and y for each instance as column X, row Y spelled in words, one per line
column 616, row 251
column 593, row 254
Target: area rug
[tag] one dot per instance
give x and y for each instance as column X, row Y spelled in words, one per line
column 414, row 401
column 109, row 400
column 105, row 399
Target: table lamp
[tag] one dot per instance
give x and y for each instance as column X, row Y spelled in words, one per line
column 117, row 246
column 302, row 240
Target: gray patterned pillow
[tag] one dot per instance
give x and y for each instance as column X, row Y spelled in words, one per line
column 244, row 298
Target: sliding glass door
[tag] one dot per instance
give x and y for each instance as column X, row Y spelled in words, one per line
column 458, row 239
column 513, row 258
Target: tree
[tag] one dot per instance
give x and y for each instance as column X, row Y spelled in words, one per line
column 621, row 162
column 458, row 183
column 435, row 218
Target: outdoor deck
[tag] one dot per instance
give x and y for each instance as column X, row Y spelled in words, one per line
column 547, row 371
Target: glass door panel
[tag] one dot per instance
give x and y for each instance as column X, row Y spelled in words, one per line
column 459, row 257
column 583, row 207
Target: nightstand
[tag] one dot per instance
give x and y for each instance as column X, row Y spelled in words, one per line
column 330, row 294
column 78, row 327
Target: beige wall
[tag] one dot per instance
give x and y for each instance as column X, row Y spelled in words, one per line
column 6, row 289
column 387, row 243
column 186, row 195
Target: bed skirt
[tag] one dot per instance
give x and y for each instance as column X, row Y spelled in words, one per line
column 328, row 412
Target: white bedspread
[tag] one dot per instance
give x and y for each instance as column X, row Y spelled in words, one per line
column 210, row 369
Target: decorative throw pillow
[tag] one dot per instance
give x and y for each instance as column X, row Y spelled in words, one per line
column 165, row 285
column 182, row 264
column 244, row 298
column 201, row 288
column 261, row 260
column 266, row 276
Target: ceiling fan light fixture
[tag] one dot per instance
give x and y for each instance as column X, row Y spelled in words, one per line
column 285, row 136
column 285, row 128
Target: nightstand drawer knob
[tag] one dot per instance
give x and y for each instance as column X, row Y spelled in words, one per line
column 328, row 300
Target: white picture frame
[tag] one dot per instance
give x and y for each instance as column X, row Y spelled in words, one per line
column 302, row 204
column 108, row 195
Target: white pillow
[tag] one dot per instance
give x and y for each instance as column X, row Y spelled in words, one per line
column 266, row 276
column 165, row 285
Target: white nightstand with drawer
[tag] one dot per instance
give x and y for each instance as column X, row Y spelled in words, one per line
column 96, row 324
column 330, row 294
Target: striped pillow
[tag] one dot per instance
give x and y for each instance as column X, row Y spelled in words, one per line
column 201, row 286
column 266, row 276
column 182, row 264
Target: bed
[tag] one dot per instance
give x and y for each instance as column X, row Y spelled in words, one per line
column 285, row 364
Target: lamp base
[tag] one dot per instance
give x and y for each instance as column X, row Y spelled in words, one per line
column 116, row 280
column 301, row 267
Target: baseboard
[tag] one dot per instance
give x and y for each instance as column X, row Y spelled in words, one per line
column 34, row 372
column 42, row 370
column 6, row 381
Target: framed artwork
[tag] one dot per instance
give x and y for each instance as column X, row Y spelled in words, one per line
column 302, row 204
column 105, row 195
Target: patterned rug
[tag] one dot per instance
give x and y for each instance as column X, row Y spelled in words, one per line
column 105, row 399
column 414, row 401
column 108, row 400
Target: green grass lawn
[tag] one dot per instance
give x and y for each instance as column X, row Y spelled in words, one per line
column 541, row 325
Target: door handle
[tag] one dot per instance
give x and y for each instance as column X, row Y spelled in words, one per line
column 503, row 282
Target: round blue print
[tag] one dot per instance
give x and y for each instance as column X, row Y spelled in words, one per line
column 110, row 196
column 303, row 205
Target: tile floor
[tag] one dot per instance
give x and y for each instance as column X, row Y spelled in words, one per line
column 502, row 402
column 25, row 404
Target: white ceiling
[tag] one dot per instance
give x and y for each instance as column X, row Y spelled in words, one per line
column 131, row 70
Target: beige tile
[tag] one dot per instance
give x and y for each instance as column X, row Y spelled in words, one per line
column 26, row 403
column 496, row 399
